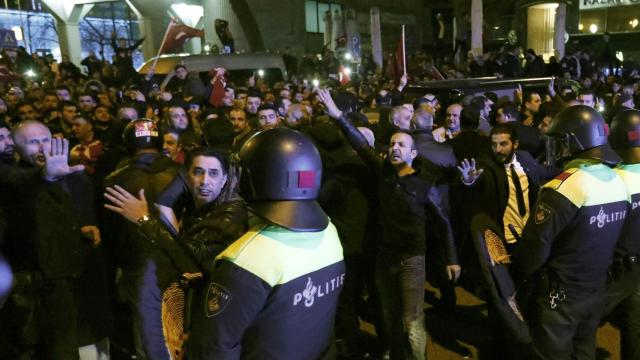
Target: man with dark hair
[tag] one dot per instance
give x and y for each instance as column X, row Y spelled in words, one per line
column 49, row 101
column 123, row 62
column 469, row 142
column 587, row 97
column 241, row 128
column 410, row 206
column 7, row 145
column 531, row 102
column 508, row 168
column 215, row 217
column 268, row 117
column 184, row 87
column 503, row 187
column 87, row 102
column 63, row 93
column 483, row 105
column 88, row 148
column 69, row 110
column 26, row 111
column 529, row 137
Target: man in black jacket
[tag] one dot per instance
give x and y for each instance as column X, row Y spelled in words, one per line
column 503, row 189
column 49, row 211
column 441, row 157
column 215, row 216
column 497, row 192
column 409, row 206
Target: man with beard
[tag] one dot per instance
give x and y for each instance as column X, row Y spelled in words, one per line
column 503, row 188
column 409, row 210
column 87, row 102
column 6, row 145
column 241, row 128
column 506, row 184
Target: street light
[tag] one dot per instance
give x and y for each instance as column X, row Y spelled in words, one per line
column 347, row 56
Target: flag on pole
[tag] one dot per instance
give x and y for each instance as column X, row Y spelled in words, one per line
column 345, row 75
column 396, row 64
column 177, row 35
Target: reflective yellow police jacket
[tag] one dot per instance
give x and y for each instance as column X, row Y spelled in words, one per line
column 574, row 227
column 629, row 243
column 272, row 295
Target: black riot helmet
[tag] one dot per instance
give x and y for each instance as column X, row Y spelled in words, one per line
column 580, row 132
column 281, row 174
column 142, row 134
column 625, row 135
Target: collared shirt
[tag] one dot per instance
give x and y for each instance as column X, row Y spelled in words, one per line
column 511, row 213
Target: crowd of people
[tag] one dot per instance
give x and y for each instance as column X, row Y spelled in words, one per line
column 122, row 202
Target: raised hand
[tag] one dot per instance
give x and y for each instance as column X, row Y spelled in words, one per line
column 125, row 204
column 57, row 161
column 403, row 82
column 468, row 171
column 327, row 100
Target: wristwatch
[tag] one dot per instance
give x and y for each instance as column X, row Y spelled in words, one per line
column 143, row 219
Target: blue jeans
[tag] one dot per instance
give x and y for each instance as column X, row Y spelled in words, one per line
column 400, row 281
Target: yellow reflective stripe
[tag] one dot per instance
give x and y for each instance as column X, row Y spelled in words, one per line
column 584, row 189
column 630, row 174
column 278, row 256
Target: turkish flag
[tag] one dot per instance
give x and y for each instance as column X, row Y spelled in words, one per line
column 177, row 35
column 344, row 75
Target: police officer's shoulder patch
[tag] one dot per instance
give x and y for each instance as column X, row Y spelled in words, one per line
column 542, row 213
column 217, row 299
column 560, row 178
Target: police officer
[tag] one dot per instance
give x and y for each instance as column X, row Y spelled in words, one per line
column 568, row 242
column 150, row 170
column 623, row 288
column 273, row 293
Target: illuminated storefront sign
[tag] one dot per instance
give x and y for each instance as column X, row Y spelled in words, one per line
column 599, row 4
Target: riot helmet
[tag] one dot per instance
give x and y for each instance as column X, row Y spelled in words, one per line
column 281, row 174
column 142, row 134
column 625, row 135
column 580, row 132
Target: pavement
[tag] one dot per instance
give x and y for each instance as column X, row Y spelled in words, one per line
column 463, row 334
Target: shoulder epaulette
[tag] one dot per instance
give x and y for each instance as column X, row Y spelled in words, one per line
column 561, row 178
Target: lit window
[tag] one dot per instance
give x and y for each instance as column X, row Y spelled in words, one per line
column 314, row 14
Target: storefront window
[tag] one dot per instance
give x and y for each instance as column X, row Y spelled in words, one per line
column 612, row 19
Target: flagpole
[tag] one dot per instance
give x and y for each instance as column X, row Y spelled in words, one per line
column 164, row 39
column 404, row 54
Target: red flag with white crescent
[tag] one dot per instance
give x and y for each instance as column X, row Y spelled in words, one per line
column 177, row 35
